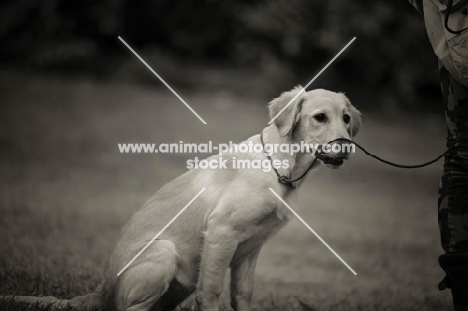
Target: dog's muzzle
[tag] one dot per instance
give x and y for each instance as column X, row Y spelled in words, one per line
column 332, row 158
column 333, row 161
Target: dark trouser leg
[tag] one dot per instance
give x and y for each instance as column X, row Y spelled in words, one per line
column 453, row 193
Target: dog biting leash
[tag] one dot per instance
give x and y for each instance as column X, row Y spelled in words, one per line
column 282, row 179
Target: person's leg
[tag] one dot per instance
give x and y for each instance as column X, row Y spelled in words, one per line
column 453, row 193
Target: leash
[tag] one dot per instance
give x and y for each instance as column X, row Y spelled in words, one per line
column 285, row 180
column 451, row 8
column 453, row 145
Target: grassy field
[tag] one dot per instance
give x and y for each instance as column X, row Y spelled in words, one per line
column 66, row 192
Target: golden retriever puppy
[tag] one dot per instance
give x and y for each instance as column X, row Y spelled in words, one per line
column 226, row 226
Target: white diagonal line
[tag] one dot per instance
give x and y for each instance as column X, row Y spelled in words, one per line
column 160, row 232
column 312, row 230
column 162, row 80
column 313, row 79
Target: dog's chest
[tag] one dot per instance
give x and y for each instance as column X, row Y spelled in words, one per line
column 258, row 235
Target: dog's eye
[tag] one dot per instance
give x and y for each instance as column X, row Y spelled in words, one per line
column 321, row 117
column 346, row 118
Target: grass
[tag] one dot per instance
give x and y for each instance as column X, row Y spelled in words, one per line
column 66, row 192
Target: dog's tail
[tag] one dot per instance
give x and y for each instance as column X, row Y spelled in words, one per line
column 91, row 302
column 38, row 302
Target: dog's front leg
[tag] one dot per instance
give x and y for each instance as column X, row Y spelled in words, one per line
column 219, row 245
column 242, row 282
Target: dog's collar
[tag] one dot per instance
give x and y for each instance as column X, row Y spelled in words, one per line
column 285, row 180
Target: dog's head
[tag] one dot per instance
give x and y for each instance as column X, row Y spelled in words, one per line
column 317, row 118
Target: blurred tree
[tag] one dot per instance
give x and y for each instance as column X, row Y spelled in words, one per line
column 279, row 38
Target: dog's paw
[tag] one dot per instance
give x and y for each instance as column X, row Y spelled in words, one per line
column 189, row 304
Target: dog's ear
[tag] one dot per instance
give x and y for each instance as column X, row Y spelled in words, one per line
column 287, row 120
column 355, row 123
